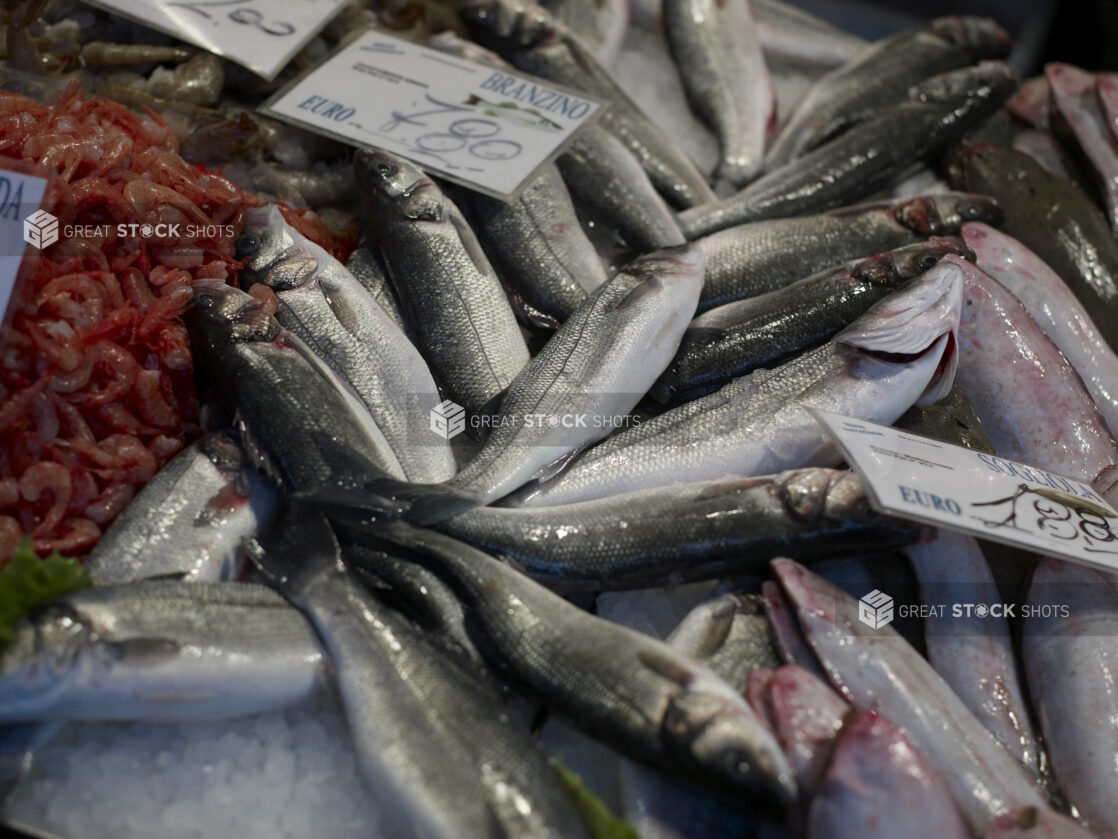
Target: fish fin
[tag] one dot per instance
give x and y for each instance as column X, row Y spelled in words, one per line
column 659, row 662
column 170, row 576
column 423, row 504
column 255, row 452
column 493, row 405
column 298, row 548
column 645, row 288
column 546, row 473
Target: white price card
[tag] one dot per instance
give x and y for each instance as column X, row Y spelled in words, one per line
column 961, row 489
column 485, row 128
column 22, row 224
column 262, row 35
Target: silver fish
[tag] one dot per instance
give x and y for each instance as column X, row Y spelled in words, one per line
column 600, row 23
column 869, row 155
column 879, row 786
column 877, row 670
column 366, row 264
column 760, row 424
column 603, row 175
column 464, row 325
column 334, row 315
column 602, row 360
column 431, row 736
column 526, row 35
column 881, row 76
column 617, row 684
column 159, row 650
column 312, row 427
column 715, row 44
column 1072, row 666
column 788, row 33
column 190, row 519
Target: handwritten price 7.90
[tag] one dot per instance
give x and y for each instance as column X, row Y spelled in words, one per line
column 245, row 15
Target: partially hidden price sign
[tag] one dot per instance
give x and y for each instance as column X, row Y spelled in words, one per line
column 485, row 128
column 987, row 496
column 262, row 35
column 22, row 225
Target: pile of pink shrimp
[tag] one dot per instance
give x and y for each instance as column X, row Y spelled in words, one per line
column 96, row 376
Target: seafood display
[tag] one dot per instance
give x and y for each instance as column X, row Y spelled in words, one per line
column 339, row 498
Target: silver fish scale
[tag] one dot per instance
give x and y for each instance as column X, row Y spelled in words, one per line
column 696, row 531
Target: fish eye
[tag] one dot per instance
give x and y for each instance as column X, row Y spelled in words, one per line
column 970, row 211
column 926, row 262
column 384, row 168
column 247, row 245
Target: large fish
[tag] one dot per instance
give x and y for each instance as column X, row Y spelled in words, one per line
column 1076, row 98
column 591, row 372
column 900, row 352
column 1068, row 646
column 879, row 786
column 159, row 650
column 869, row 155
column 735, row 339
column 715, row 44
column 312, row 427
column 974, row 655
column 539, row 248
column 334, row 315
column 728, row 632
column 1029, row 399
column 450, row 294
column 619, row 685
column 877, row 670
column 1057, row 311
column 1053, row 219
column 679, row 533
column 756, row 258
column 526, row 35
column 430, row 735
column 604, row 176
column 189, row 520
column 880, row 76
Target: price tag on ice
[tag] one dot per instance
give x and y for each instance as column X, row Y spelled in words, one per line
column 485, row 128
column 22, row 225
column 262, row 35
column 961, row 489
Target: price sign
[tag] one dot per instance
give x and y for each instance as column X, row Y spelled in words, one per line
column 482, row 127
column 22, row 224
column 987, row 496
column 262, row 35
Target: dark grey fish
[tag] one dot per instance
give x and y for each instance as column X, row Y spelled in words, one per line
column 617, row 684
column 763, row 256
column 159, row 650
column 880, row 76
column 740, row 337
column 606, row 178
column 538, row 247
column 526, row 35
column 452, row 298
column 190, row 519
column 431, row 737
column 867, row 156
column 312, row 428
column 682, row 533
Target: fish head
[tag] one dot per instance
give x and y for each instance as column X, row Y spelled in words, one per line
column 982, row 36
column 724, row 737
column 990, row 81
column 672, row 274
column 48, row 656
column 392, row 186
column 225, row 314
column 273, row 251
column 944, row 214
column 517, row 24
column 909, row 261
